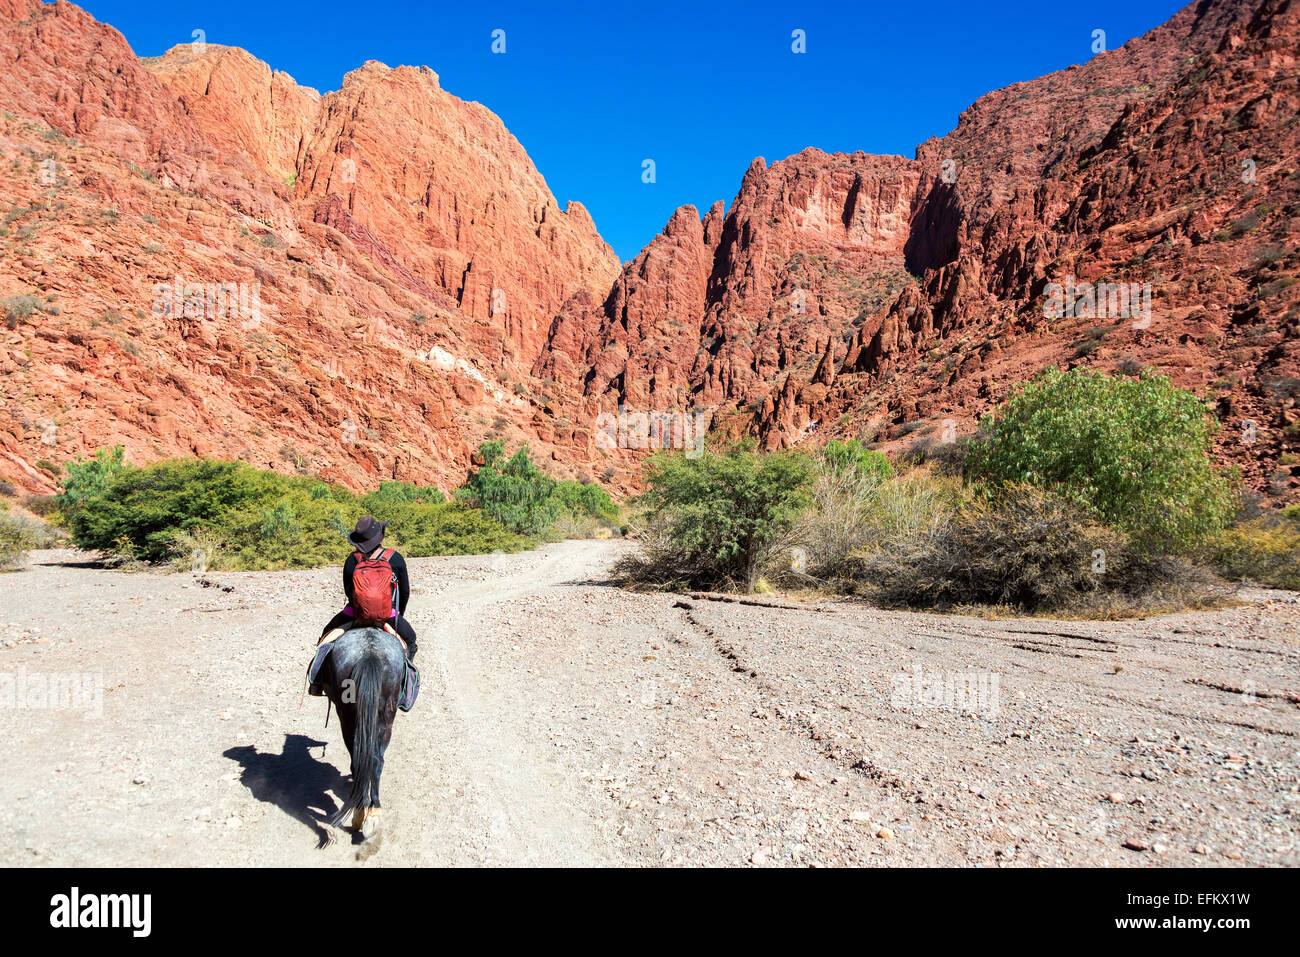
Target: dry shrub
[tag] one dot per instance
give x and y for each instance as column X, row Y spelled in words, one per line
column 18, row 535
column 659, row 563
column 1027, row 550
column 198, row 549
column 568, row 525
column 1264, row 550
column 855, row 514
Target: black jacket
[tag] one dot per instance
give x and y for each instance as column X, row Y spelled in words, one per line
column 399, row 569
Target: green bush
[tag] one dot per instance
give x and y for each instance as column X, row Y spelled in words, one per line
column 1134, row 453
column 227, row 515
column 851, row 456
column 400, row 493
column 87, row 478
column 516, row 492
column 718, row 520
column 450, row 529
column 296, row 530
column 586, row 511
column 146, row 507
column 582, row 500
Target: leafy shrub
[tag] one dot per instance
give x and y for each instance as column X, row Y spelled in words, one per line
column 1134, row 453
column 227, row 515
column 294, row 530
column 586, row 511
column 516, row 493
column 148, row 506
column 1265, row 550
column 87, row 478
column 450, row 529
column 581, row 500
column 400, row 493
column 851, row 456
column 719, row 519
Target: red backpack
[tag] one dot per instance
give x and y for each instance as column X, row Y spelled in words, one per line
column 373, row 585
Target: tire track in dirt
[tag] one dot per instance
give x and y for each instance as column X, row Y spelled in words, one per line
column 859, row 762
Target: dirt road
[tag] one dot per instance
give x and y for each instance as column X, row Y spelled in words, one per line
column 563, row 721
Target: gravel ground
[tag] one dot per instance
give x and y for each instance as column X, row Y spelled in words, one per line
column 566, row 722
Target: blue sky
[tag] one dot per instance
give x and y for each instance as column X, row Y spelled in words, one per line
column 701, row 88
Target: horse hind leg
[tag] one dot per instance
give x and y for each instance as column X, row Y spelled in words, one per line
column 362, row 811
column 365, row 819
column 348, row 724
column 370, row 820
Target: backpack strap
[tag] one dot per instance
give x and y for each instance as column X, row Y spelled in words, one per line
column 388, row 557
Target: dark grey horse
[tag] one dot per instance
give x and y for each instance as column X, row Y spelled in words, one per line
column 363, row 677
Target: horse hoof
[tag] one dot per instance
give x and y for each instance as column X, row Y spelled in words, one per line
column 359, row 818
column 370, row 823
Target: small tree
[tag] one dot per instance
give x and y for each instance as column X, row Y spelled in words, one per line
column 146, row 507
column 516, row 493
column 1135, row 453
column 89, row 477
column 726, row 513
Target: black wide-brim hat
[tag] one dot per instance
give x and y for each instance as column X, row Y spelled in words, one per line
column 368, row 534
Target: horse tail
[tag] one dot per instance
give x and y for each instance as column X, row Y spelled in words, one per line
column 367, row 738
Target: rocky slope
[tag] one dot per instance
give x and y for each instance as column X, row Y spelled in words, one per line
column 418, row 287
column 881, row 297
column 711, row 311
column 398, row 255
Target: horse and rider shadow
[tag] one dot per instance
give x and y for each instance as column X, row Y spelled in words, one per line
column 304, row 787
column 363, row 676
